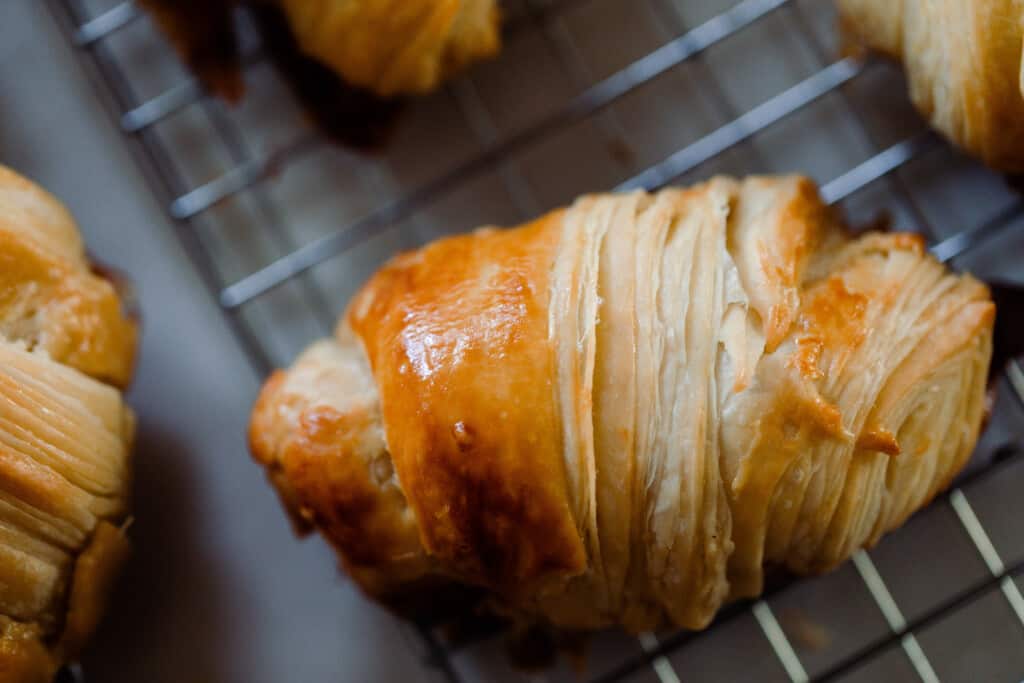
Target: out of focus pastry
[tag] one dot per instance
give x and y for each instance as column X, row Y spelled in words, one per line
column 395, row 47
column 349, row 62
column 963, row 62
column 67, row 349
column 625, row 411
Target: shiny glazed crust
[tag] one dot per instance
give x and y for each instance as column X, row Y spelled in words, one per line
column 65, row 434
column 963, row 62
column 50, row 298
column 623, row 412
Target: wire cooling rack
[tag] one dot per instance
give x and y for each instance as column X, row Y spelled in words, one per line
column 590, row 95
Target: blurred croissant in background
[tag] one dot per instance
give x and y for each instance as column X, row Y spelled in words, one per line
column 623, row 412
column 963, row 62
column 349, row 63
column 395, row 47
column 387, row 47
column 66, row 350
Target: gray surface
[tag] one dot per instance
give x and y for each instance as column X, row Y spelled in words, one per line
column 219, row 590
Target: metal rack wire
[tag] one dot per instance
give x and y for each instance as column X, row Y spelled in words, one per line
column 248, row 174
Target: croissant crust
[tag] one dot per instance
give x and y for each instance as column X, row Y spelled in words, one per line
column 66, row 346
column 623, row 412
column 395, row 47
column 963, row 62
column 386, row 47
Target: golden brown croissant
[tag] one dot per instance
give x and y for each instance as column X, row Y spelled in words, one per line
column 388, row 47
column 65, row 435
column 395, row 47
column 622, row 412
column 963, row 61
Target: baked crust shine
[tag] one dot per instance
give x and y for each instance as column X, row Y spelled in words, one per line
column 623, row 412
column 66, row 346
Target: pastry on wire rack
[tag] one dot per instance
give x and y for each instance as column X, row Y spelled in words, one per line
column 963, row 63
column 67, row 349
column 395, row 47
column 624, row 412
column 350, row 62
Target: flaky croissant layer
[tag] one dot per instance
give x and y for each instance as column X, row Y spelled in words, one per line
column 65, row 435
column 623, row 412
column 963, row 62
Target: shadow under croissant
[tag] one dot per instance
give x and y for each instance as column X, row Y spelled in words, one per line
column 347, row 115
column 460, row 617
column 169, row 569
column 206, row 34
column 70, row 674
column 536, row 646
column 1008, row 338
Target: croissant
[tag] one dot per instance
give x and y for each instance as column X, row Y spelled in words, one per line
column 963, row 62
column 66, row 347
column 395, row 47
column 622, row 412
column 388, row 47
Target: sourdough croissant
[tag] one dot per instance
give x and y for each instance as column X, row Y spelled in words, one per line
column 963, row 61
column 65, row 434
column 622, row 412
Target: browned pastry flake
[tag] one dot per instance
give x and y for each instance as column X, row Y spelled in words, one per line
column 66, row 346
column 628, row 411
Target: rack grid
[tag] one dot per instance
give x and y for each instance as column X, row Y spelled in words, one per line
column 604, row 91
